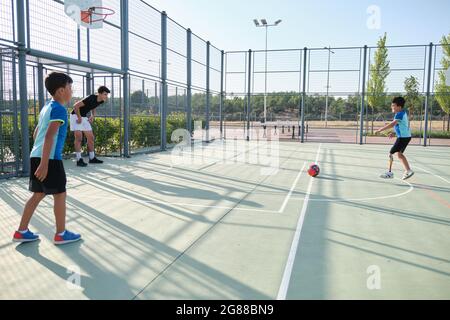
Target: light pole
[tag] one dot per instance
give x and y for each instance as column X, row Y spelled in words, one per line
column 265, row 25
column 328, row 84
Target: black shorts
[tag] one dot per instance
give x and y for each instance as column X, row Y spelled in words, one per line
column 400, row 145
column 55, row 182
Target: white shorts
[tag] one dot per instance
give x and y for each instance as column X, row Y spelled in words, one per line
column 83, row 126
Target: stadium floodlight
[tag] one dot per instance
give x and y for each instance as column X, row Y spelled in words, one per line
column 265, row 25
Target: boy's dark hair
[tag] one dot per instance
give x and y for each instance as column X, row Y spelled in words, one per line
column 400, row 101
column 103, row 89
column 55, row 81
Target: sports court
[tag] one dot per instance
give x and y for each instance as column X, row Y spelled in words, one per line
column 204, row 192
column 219, row 229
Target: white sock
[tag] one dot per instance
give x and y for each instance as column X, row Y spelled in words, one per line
column 78, row 155
column 62, row 233
column 24, row 231
column 91, row 155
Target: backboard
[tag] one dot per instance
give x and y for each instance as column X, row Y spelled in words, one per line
column 87, row 13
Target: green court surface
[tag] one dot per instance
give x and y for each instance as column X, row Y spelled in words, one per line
column 214, row 223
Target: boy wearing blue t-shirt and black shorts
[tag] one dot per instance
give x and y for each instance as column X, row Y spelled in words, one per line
column 47, row 175
column 403, row 132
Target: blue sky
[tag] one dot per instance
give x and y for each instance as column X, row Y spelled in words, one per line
column 312, row 23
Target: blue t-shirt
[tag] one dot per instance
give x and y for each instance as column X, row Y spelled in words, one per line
column 53, row 111
column 402, row 127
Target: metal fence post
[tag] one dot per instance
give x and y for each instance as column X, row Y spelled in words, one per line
column 88, row 84
column 221, row 92
column 126, row 76
column 176, row 98
column 427, row 97
column 302, row 115
column 40, row 84
column 164, row 80
column 363, row 97
column 27, row 21
column 1, row 120
column 79, row 43
column 249, row 92
column 208, row 100
column 189, row 80
column 88, row 38
column 2, row 86
column 15, row 113
column 21, row 27
column 143, row 93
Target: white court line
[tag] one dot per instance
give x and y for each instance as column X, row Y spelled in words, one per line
column 293, row 252
column 288, row 196
column 438, row 176
column 411, row 188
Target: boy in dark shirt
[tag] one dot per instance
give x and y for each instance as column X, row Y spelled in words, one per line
column 80, row 123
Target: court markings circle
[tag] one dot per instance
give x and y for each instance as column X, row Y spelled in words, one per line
column 397, row 195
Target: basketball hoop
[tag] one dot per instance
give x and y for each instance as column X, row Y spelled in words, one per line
column 95, row 14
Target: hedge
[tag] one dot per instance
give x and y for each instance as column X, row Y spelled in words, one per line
column 144, row 132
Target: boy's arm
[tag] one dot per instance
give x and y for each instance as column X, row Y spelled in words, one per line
column 91, row 119
column 42, row 170
column 389, row 126
column 76, row 107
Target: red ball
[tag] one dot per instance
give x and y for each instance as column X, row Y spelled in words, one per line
column 314, row 170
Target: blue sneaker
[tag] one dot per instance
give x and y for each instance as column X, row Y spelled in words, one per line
column 68, row 237
column 25, row 237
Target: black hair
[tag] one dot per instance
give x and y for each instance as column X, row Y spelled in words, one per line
column 400, row 101
column 55, row 81
column 103, row 89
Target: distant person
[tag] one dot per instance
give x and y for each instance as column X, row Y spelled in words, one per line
column 47, row 175
column 403, row 132
column 80, row 124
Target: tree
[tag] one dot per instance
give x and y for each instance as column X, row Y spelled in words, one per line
column 412, row 96
column 138, row 97
column 379, row 71
column 442, row 90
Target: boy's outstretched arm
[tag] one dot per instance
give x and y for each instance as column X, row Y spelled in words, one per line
column 386, row 127
column 42, row 170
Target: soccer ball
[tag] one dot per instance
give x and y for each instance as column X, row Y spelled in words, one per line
column 314, row 170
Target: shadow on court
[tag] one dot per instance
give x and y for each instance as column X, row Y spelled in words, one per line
column 137, row 246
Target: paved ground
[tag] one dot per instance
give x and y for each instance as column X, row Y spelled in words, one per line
column 239, row 220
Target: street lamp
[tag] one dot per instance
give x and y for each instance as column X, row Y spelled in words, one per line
column 328, row 84
column 264, row 24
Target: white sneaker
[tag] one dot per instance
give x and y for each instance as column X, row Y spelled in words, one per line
column 408, row 174
column 387, row 175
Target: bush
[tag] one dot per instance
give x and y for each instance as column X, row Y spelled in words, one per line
column 145, row 131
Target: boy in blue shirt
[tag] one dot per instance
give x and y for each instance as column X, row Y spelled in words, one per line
column 403, row 132
column 47, row 175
